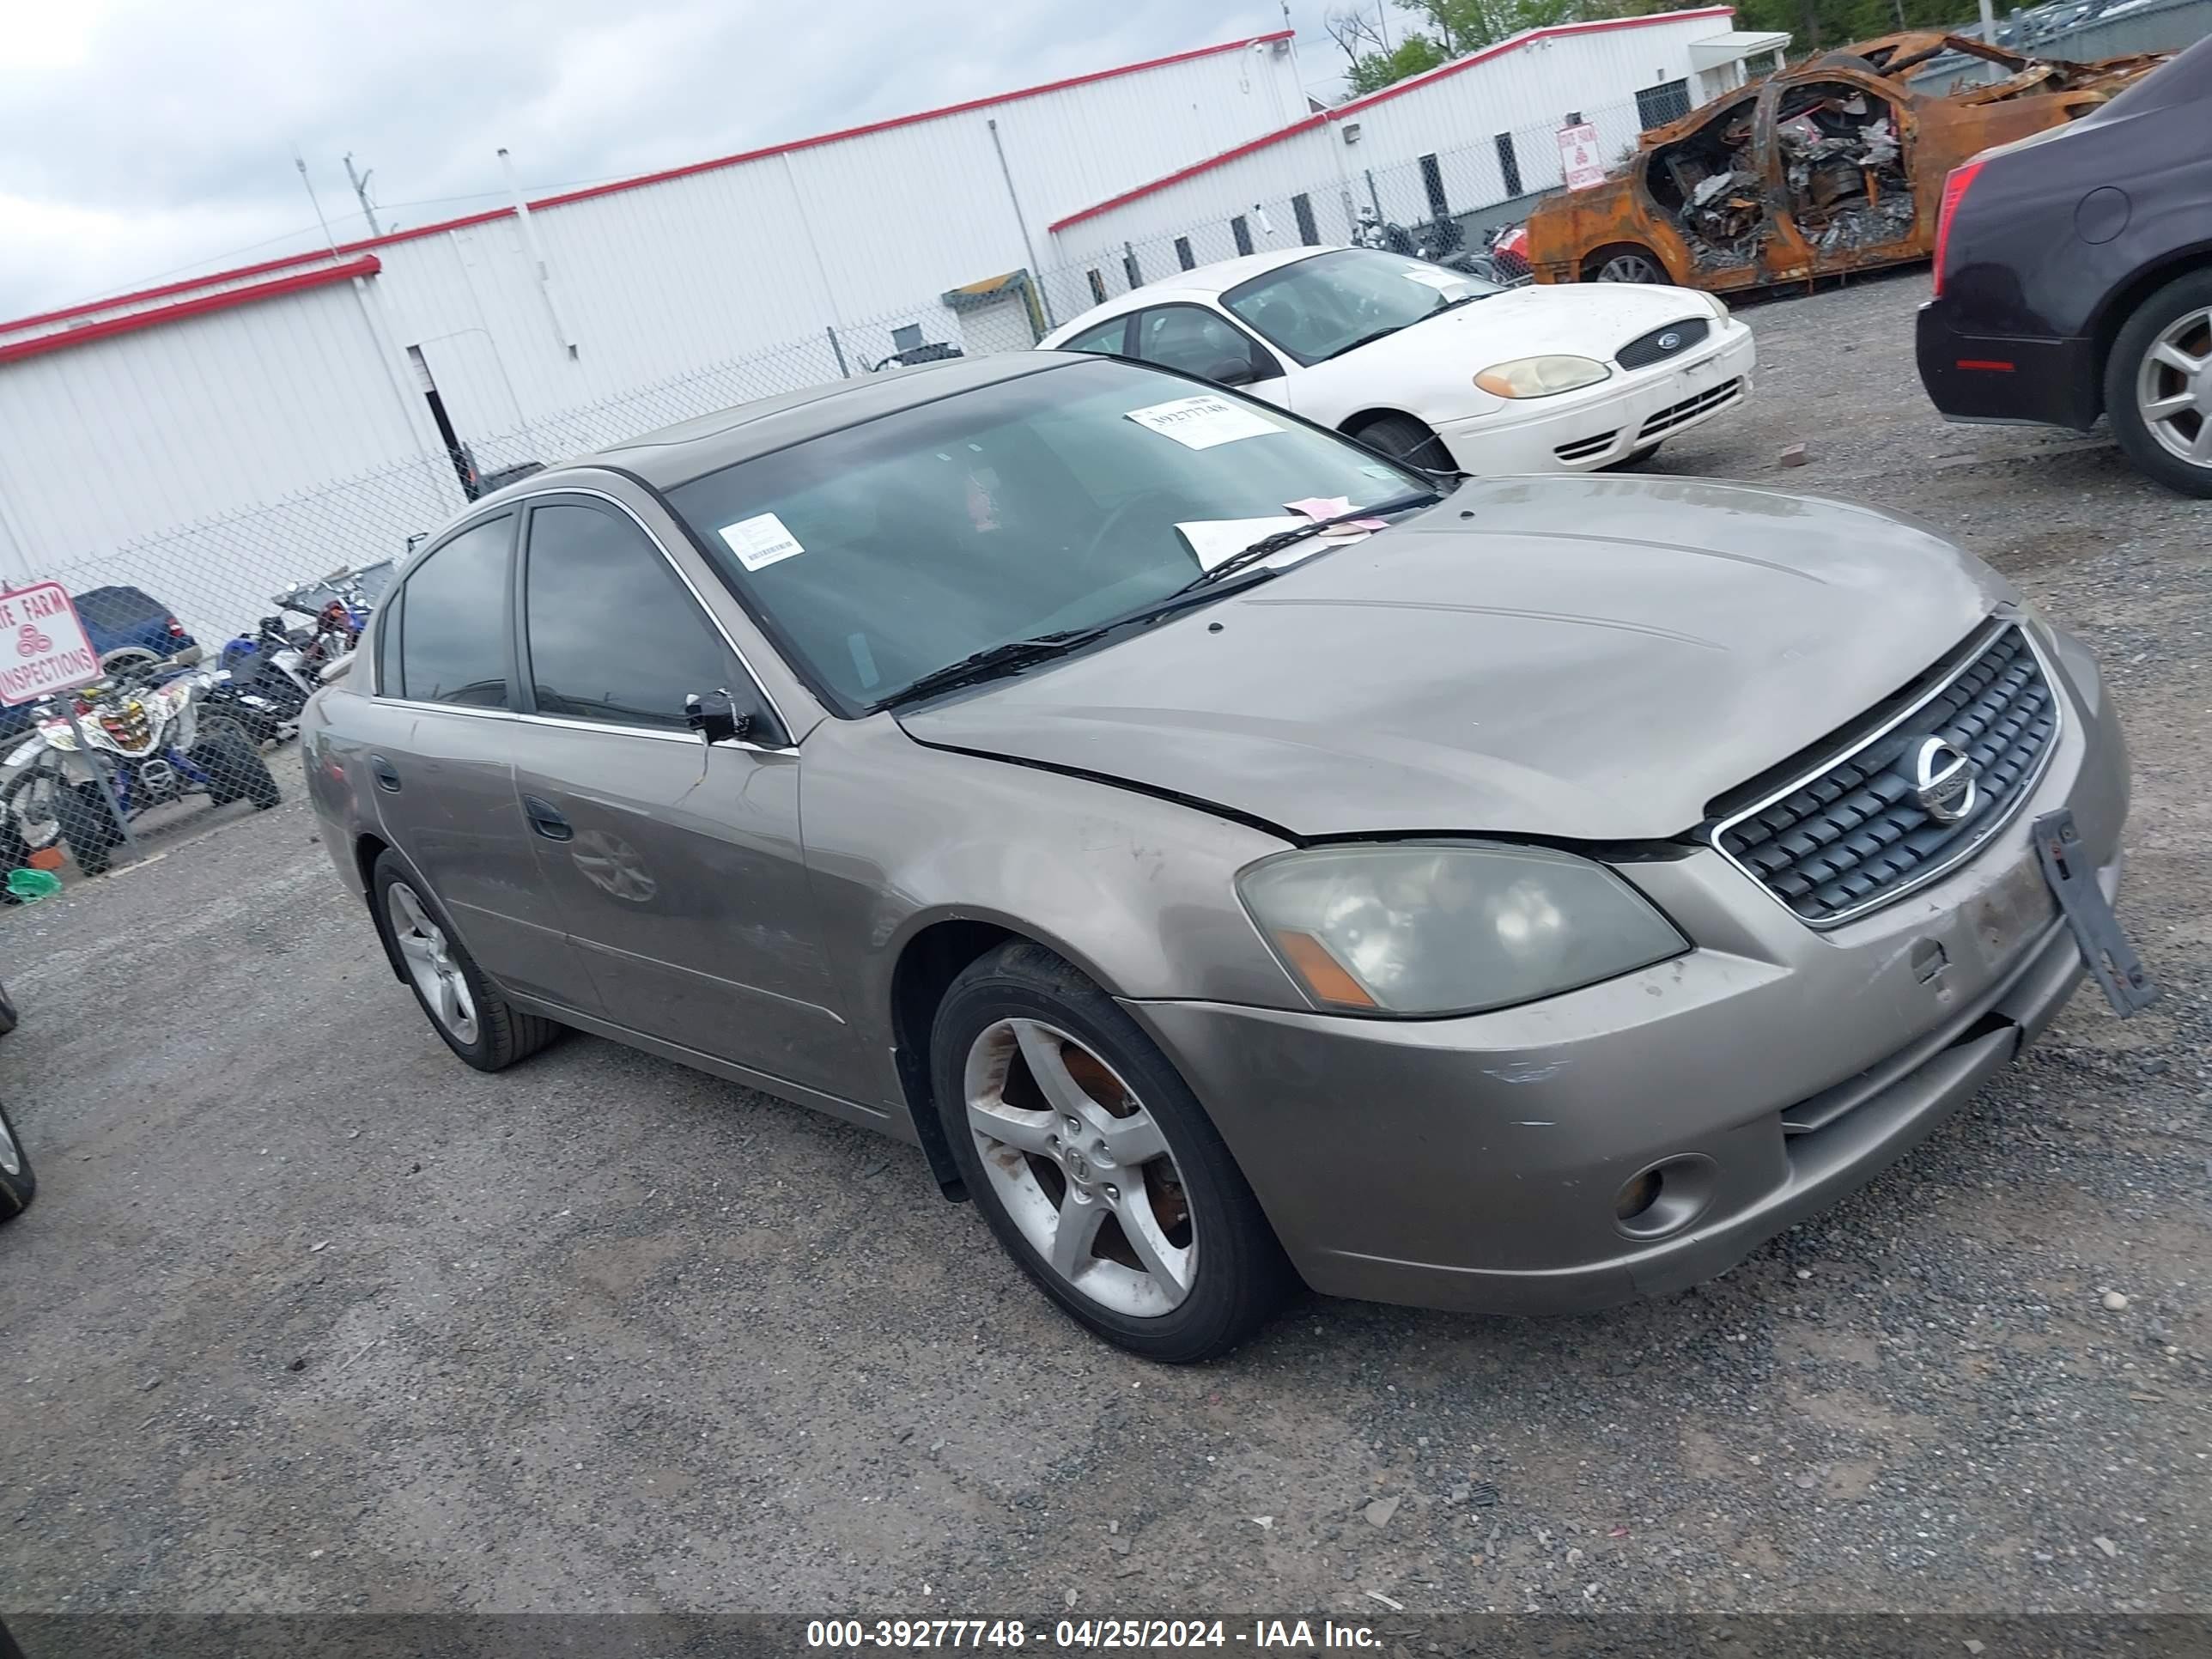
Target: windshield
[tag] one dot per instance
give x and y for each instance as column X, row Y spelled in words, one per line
column 1323, row 306
column 1059, row 500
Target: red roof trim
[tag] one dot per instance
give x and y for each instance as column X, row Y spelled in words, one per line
column 1353, row 107
column 62, row 340
column 90, row 306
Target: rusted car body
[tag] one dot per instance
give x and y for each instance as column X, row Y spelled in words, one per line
column 1835, row 165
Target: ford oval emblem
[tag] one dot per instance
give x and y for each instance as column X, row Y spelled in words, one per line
column 1669, row 340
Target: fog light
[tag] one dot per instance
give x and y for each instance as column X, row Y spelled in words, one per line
column 1668, row 1197
column 1638, row 1196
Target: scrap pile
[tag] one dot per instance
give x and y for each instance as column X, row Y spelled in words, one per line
column 1846, row 171
column 1721, row 215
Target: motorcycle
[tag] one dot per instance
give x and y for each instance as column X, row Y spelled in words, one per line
column 1439, row 243
column 275, row 669
column 152, row 734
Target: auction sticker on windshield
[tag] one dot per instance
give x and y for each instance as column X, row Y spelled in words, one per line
column 761, row 541
column 43, row 648
column 1202, row 422
column 1439, row 279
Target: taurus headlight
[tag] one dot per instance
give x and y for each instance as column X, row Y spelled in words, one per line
column 1448, row 928
column 1540, row 377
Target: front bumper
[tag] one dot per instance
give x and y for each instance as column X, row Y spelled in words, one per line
column 1474, row 1162
column 1606, row 423
column 2004, row 378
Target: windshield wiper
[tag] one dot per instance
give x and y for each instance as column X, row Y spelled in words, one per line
column 1365, row 339
column 1291, row 538
column 993, row 661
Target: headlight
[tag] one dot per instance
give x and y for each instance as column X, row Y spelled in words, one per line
column 1539, row 377
column 1449, row 928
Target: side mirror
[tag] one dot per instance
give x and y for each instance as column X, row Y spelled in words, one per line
column 724, row 725
column 1232, row 371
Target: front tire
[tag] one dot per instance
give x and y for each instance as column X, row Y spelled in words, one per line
column 17, row 1184
column 1402, row 438
column 462, row 1006
column 89, row 830
column 2157, row 385
column 1095, row 1164
column 234, row 768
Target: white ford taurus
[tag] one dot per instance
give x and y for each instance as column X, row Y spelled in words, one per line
column 1436, row 367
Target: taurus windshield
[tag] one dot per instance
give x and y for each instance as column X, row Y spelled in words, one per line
column 1057, row 501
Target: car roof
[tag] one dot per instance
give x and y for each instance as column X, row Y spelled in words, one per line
column 691, row 449
column 1203, row 283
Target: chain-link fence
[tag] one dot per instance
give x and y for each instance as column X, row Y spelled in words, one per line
column 218, row 576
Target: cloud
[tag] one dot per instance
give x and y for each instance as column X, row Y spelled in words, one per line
column 139, row 138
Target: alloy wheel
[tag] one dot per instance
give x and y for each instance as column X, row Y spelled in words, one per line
column 424, row 948
column 1630, row 268
column 1081, row 1167
column 2173, row 388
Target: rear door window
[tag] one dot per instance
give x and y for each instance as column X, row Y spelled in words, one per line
column 1108, row 339
column 453, row 640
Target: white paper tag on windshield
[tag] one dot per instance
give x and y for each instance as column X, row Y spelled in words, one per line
column 1438, row 280
column 1213, row 540
column 1202, row 422
column 759, row 542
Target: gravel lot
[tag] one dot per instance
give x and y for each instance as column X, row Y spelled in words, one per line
column 309, row 1318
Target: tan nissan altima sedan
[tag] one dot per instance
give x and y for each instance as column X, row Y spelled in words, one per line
column 1235, row 857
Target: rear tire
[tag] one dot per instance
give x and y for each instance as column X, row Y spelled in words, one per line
column 462, row 1006
column 1625, row 262
column 234, row 768
column 88, row 830
column 18, row 1185
column 2175, row 449
column 1167, row 1252
column 1402, row 438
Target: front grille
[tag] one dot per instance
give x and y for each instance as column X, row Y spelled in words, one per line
column 1646, row 349
column 1855, row 833
column 1582, row 448
column 1689, row 408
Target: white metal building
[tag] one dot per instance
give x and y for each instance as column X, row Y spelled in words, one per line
column 1475, row 131
column 123, row 419
column 217, row 438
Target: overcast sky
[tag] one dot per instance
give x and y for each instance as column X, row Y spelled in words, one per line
column 141, row 139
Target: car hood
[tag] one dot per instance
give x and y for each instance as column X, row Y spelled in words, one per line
column 1586, row 657
column 1585, row 320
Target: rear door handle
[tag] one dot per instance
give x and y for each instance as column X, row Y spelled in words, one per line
column 546, row 821
column 380, row 770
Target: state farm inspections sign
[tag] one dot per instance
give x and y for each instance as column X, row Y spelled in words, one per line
column 43, row 648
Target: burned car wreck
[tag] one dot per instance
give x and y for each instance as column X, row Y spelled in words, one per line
column 1835, row 165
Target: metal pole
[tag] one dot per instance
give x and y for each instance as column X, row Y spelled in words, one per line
column 1020, row 222
column 361, row 194
column 99, row 773
column 537, row 254
column 1993, row 71
column 843, row 372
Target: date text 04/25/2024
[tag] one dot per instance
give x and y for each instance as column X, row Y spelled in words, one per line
column 1090, row 1635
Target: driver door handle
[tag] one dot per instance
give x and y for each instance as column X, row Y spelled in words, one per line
column 546, row 820
column 380, row 770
